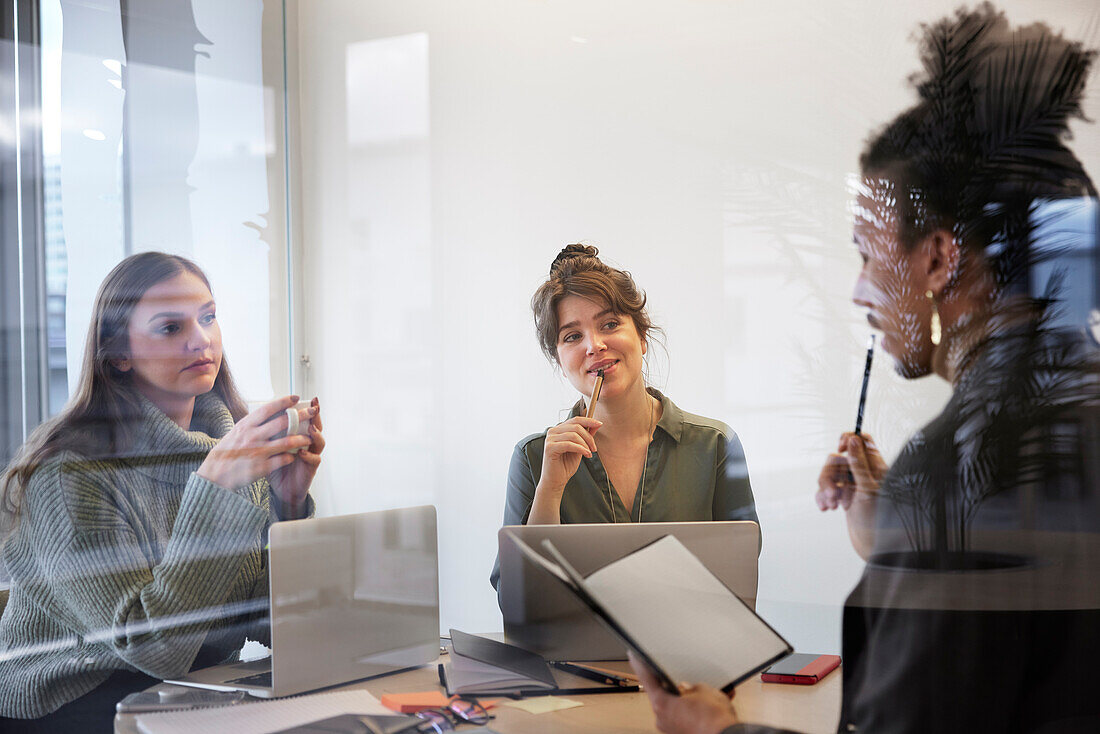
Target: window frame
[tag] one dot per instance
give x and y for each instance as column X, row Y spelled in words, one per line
column 23, row 345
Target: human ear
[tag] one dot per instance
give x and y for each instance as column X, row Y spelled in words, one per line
column 940, row 260
column 122, row 364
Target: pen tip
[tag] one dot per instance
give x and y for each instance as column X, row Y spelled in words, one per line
column 871, row 343
column 599, row 373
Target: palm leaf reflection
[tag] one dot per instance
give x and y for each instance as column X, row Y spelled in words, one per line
column 982, row 154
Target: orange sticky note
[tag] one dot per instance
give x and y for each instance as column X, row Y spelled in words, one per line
column 410, row 703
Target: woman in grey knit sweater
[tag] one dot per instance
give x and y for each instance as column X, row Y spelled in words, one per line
column 136, row 519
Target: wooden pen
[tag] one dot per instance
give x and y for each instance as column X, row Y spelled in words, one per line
column 595, row 394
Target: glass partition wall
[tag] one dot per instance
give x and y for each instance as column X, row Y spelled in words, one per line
column 135, row 126
column 23, row 347
column 142, row 126
column 377, row 187
column 450, row 150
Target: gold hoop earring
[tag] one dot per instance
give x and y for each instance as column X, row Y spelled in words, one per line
column 937, row 333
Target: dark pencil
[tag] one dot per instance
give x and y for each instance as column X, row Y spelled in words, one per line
column 863, row 398
column 866, row 379
column 602, row 677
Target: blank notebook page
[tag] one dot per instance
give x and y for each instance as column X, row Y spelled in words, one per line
column 682, row 616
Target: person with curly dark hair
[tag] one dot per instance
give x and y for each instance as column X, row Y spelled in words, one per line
column 978, row 610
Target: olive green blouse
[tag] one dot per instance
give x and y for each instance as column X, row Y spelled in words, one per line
column 695, row 470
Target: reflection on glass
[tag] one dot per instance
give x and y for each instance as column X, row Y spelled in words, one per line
column 976, row 225
column 354, row 595
column 157, row 136
column 375, row 327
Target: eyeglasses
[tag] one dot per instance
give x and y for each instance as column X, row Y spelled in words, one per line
column 458, row 711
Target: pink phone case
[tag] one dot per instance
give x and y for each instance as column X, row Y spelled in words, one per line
column 812, row 669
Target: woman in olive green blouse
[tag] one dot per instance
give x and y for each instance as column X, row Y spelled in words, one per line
column 640, row 457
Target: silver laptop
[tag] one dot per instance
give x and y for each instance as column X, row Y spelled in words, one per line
column 542, row 616
column 350, row 597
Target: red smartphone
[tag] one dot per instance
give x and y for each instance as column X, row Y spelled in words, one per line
column 802, row 669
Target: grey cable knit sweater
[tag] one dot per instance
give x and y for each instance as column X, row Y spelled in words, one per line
column 131, row 564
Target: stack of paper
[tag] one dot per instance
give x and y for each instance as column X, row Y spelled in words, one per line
column 262, row 717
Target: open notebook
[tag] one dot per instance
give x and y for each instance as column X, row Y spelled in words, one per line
column 674, row 613
column 479, row 664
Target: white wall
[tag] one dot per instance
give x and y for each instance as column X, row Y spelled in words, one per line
column 449, row 149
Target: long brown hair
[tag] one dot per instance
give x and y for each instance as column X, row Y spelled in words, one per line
column 98, row 420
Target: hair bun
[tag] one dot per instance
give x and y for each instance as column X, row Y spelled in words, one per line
column 571, row 252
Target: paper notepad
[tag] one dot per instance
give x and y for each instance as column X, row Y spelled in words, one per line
column 480, row 664
column 262, row 717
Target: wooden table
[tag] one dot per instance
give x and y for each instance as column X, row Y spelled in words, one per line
column 812, row 709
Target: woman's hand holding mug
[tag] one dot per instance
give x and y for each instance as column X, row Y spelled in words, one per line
column 252, row 450
column 290, row 483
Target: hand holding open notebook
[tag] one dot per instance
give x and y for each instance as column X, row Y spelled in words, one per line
column 673, row 612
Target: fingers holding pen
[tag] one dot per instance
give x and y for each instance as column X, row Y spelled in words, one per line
column 865, row 463
column 566, row 444
column 563, row 447
column 577, row 431
column 855, row 470
column 834, row 489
